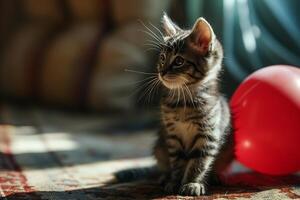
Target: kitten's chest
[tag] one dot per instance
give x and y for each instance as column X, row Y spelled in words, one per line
column 177, row 121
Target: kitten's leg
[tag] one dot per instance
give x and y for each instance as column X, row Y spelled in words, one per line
column 196, row 172
column 177, row 162
column 160, row 152
column 204, row 149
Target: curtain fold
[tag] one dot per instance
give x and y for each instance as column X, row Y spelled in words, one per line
column 254, row 33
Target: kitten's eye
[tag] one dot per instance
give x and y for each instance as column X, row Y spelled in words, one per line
column 162, row 57
column 179, row 61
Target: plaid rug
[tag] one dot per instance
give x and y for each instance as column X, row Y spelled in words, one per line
column 49, row 155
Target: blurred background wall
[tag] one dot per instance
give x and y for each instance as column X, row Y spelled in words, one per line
column 73, row 53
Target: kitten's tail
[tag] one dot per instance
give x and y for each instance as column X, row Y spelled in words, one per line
column 134, row 174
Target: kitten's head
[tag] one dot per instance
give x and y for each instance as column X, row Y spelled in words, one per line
column 188, row 57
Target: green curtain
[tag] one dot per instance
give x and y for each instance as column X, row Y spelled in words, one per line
column 254, row 33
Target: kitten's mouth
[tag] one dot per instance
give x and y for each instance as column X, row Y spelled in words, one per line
column 171, row 81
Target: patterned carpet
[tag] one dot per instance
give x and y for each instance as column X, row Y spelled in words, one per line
column 56, row 155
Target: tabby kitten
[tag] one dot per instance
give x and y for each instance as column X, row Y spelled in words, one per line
column 195, row 116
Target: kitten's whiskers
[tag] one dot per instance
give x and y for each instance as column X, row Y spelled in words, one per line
column 139, row 72
column 183, row 94
column 161, row 34
column 150, row 83
column 152, row 45
column 190, row 94
column 151, row 33
column 154, row 86
column 142, row 86
column 178, row 96
column 173, row 94
column 140, row 81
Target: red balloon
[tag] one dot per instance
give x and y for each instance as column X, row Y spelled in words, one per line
column 266, row 120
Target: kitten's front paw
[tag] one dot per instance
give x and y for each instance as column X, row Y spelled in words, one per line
column 192, row 189
column 171, row 187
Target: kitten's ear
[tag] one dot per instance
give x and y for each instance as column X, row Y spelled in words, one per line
column 170, row 28
column 202, row 36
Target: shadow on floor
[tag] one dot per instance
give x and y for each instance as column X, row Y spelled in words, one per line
column 244, row 185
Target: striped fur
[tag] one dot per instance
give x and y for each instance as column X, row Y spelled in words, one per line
column 195, row 117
